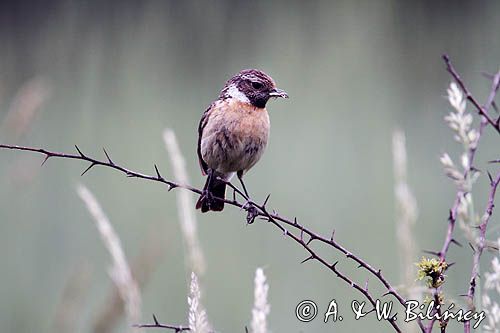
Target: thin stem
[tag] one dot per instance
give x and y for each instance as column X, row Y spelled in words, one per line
column 482, row 110
column 481, row 244
column 485, row 120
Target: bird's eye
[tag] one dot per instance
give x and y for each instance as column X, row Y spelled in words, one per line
column 256, row 85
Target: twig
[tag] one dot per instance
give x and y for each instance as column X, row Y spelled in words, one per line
column 482, row 110
column 485, row 120
column 472, row 152
column 94, row 162
column 481, row 245
column 254, row 211
column 157, row 324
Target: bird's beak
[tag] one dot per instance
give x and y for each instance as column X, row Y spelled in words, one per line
column 278, row 93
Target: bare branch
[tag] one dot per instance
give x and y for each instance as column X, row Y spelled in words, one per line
column 481, row 245
column 471, row 153
column 482, row 110
column 253, row 210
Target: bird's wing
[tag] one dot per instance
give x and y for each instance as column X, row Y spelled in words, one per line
column 201, row 126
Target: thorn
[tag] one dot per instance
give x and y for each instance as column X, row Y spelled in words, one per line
column 265, row 201
column 310, row 240
column 491, row 178
column 473, row 168
column 107, row 156
column 333, row 235
column 90, row 167
column 494, row 161
column 463, row 295
column 334, row 265
column 155, row 320
column 243, row 206
column 45, row 160
column 492, row 247
column 171, row 187
column 488, row 75
column 307, row 259
column 388, row 292
column 246, row 329
column 454, row 241
column 434, row 253
column 79, row 151
column 450, row 264
column 158, row 173
column 295, row 221
column 450, row 216
column 472, row 247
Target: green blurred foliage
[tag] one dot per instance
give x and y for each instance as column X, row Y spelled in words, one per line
column 119, row 72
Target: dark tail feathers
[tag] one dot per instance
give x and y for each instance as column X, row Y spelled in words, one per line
column 208, row 200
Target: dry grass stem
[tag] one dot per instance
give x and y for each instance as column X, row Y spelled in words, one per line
column 196, row 260
column 120, row 271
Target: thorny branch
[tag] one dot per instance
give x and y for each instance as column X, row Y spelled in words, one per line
column 254, row 211
column 485, row 119
column 481, row 244
column 452, row 217
column 304, row 236
column 482, row 110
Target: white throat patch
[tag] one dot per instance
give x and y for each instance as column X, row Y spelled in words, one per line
column 235, row 93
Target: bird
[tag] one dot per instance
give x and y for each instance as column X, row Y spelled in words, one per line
column 233, row 133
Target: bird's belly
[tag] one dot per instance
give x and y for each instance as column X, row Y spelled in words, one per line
column 236, row 146
column 242, row 156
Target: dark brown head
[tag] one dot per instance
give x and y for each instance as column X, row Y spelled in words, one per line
column 252, row 86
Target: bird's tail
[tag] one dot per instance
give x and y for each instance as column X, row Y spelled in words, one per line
column 209, row 200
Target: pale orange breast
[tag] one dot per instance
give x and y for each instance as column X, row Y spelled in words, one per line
column 235, row 136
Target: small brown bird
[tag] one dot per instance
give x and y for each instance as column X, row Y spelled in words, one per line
column 233, row 133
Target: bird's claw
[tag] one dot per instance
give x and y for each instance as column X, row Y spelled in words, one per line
column 252, row 211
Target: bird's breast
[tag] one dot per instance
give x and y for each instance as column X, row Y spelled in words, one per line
column 235, row 136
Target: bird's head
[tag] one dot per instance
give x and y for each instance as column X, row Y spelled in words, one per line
column 252, row 86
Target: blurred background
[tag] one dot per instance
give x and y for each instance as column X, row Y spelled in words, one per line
column 115, row 74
